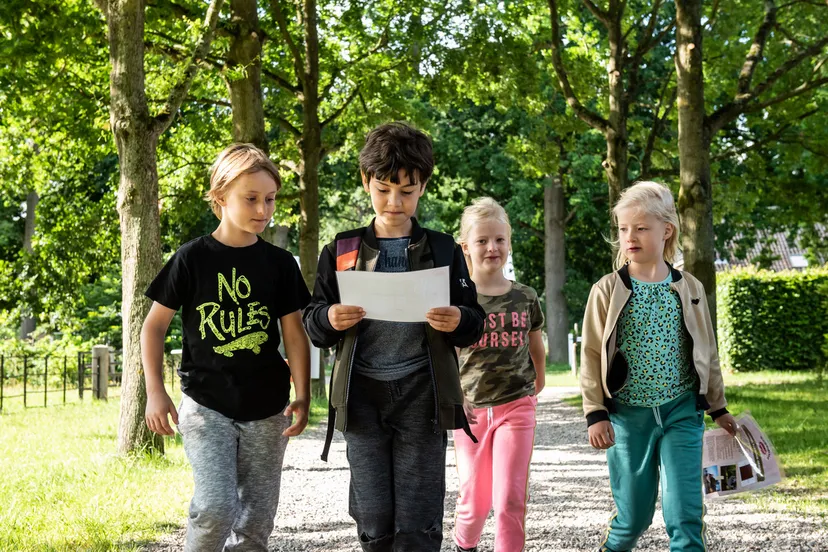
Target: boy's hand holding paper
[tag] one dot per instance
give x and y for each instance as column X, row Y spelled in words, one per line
column 398, row 296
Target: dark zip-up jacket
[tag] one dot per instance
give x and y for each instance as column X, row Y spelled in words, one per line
column 443, row 362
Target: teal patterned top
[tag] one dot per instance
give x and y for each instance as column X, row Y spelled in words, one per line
column 653, row 339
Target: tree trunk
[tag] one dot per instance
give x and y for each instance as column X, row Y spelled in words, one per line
column 27, row 321
column 277, row 235
column 136, row 139
column 616, row 163
column 557, row 320
column 311, row 157
column 246, row 93
column 695, row 205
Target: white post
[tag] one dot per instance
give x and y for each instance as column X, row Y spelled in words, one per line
column 100, row 371
column 570, row 342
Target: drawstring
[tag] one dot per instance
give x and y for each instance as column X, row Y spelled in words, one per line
column 490, row 413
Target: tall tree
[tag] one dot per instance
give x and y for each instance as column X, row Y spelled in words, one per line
column 624, row 65
column 136, row 134
column 787, row 76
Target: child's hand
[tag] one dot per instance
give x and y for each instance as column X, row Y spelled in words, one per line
column 159, row 406
column 343, row 317
column 444, row 319
column 469, row 410
column 728, row 423
column 299, row 407
column 601, row 435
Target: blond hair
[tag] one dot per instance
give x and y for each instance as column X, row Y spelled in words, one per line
column 482, row 208
column 653, row 199
column 235, row 160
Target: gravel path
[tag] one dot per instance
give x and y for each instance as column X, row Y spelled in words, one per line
column 570, row 500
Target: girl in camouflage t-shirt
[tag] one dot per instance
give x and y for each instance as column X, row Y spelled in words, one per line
column 501, row 376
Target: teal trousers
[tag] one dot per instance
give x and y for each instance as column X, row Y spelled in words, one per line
column 651, row 445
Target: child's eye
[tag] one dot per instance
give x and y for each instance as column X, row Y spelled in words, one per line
column 271, row 200
column 380, row 190
column 642, row 229
column 251, row 199
column 501, row 240
column 407, row 193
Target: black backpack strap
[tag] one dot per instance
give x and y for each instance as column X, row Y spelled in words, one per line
column 331, row 421
column 442, row 248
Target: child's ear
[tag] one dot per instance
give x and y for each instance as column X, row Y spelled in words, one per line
column 365, row 182
column 465, row 248
column 668, row 231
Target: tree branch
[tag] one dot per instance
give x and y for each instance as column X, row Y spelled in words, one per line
column 754, row 55
column 728, row 112
column 657, row 125
column 180, row 90
column 279, row 16
column 285, row 124
column 341, row 108
column 281, row 81
column 339, row 71
column 798, row 91
column 775, row 136
column 589, row 117
column 600, row 14
column 222, row 28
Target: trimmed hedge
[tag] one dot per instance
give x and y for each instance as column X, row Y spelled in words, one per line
column 772, row 320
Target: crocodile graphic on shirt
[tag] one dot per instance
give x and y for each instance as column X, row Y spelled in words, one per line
column 249, row 341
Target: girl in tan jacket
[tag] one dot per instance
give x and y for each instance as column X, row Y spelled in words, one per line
column 649, row 371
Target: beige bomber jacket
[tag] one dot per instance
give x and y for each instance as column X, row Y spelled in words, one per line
column 604, row 371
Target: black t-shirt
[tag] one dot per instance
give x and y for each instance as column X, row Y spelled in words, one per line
column 230, row 300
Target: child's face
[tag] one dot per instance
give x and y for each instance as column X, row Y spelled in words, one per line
column 642, row 236
column 394, row 203
column 487, row 246
column 248, row 204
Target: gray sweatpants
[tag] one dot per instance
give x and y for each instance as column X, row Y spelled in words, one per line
column 237, row 468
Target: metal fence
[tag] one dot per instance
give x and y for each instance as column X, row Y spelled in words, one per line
column 40, row 381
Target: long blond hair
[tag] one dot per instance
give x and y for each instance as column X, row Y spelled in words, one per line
column 482, row 208
column 653, row 199
column 235, row 160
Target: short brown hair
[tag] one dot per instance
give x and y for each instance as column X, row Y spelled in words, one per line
column 235, row 160
column 394, row 146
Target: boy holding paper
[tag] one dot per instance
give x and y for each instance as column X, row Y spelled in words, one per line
column 395, row 387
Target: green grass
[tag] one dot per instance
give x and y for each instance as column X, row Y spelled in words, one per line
column 560, row 375
column 64, row 489
column 790, row 407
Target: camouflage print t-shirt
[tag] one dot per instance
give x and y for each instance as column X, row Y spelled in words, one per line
column 498, row 368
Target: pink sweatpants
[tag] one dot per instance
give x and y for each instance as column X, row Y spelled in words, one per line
column 495, row 473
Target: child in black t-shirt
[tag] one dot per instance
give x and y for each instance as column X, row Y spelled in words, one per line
column 232, row 287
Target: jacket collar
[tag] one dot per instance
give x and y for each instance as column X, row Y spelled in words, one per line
column 369, row 238
column 624, row 274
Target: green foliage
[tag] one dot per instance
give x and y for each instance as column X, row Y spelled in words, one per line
column 772, row 320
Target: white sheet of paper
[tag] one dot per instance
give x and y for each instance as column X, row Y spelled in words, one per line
column 395, row 296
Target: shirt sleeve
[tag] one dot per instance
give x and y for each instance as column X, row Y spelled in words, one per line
column 171, row 286
column 536, row 314
column 293, row 293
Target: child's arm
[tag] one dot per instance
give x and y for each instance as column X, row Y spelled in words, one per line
column 715, row 385
column 325, row 318
column 298, row 353
column 538, row 355
column 463, row 320
column 159, row 404
column 601, row 434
